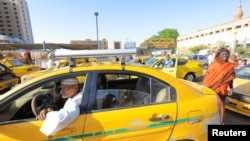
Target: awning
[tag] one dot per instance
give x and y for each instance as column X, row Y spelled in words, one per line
column 48, row 46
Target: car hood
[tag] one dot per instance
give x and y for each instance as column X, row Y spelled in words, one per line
column 241, row 86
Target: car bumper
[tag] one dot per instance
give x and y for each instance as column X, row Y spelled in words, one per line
column 237, row 106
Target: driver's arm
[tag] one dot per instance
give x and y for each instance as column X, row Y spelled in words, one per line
column 42, row 114
column 57, row 120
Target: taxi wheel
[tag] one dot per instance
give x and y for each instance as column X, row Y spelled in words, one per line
column 190, row 77
column 40, row 102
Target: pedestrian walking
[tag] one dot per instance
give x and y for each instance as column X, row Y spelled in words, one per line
column 219, row 77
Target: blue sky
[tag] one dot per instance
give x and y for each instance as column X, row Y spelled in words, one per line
column 59, row 21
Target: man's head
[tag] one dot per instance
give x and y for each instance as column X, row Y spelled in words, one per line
column 69, row 87
column 168, row 56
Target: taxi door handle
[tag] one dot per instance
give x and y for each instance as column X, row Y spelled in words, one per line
column 66, row 131
column 63, row 132
column 163, row 117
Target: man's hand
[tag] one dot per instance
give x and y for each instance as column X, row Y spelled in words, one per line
column 230, row 91
column 42, row 114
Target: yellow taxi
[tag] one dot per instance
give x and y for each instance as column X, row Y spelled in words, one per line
column 135, row 102
column 7, row 78
column 18, row 67
column 239, row 101
column 183, row 68
column 56, row 64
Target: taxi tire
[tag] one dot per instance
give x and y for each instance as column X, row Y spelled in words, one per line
column 190, row 77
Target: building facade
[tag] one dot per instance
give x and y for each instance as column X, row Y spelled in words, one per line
column 230, row 34
column 117, row 44
column 103, row 44
column 15, row 25
column 129, row 45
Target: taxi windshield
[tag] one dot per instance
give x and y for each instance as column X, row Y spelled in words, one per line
column 17, row 63
column 151, row 61
column 243, row 72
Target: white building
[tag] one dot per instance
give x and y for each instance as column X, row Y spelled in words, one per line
column 231, row 34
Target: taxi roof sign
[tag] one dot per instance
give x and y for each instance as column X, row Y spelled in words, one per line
column 62, row 53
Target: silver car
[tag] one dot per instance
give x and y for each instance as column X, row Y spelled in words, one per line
column 200, row 58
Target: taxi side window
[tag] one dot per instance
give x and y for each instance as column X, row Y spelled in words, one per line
column 162, row 92
column 174, row 60
column 160, row 65
column 130, row 91
column 119, row 98
column 181, row 62
column 21, row 107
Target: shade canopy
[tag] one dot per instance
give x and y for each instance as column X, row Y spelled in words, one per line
column 48, row 46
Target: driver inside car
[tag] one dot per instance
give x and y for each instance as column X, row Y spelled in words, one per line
column 57, row 120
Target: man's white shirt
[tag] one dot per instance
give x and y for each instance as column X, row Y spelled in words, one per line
column 57, row 120
column 168, row 63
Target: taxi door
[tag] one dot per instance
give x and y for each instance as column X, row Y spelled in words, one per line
column 29, row 130
column 181, row 68
column 148, row 119
column 20, row 124
column 171, row 70
column 151, row 122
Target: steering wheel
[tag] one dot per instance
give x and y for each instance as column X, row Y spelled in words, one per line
column 40, row 102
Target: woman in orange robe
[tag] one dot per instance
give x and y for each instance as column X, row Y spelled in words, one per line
column 219, row 77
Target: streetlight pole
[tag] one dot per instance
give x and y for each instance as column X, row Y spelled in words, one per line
column 96, row 14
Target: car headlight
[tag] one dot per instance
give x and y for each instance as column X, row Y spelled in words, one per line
column 245, row 99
